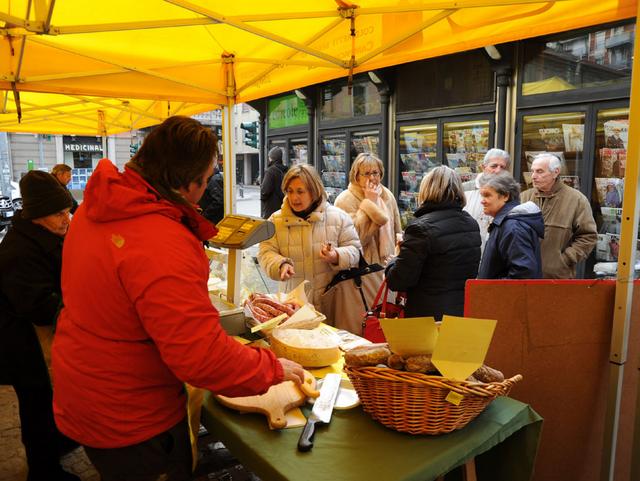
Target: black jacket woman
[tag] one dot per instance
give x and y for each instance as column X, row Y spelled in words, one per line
column 30, row 295
column 440, row 250
column 512, row 250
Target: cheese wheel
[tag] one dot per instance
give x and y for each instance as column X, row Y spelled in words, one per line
column 308, row 347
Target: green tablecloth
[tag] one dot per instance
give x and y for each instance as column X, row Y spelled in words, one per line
column 355, row 447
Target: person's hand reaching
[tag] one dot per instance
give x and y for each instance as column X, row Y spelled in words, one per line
column 286, row 271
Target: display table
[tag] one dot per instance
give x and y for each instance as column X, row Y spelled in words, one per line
column 355, row 447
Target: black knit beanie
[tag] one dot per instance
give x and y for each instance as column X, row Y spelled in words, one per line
column 42, row 195
column 275, row 154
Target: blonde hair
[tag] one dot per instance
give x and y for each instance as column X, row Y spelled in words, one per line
column 309, row 177
column 364, row 160
column 60, row 169
column 442, row 184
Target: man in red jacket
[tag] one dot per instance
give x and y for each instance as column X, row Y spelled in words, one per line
column 137, row 321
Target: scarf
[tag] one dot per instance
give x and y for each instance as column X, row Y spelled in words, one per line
column 303, row 214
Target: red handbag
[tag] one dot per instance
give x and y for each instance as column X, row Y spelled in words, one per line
column 371, row 328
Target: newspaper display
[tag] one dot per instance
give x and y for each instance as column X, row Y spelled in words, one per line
column 466, row 147
column 334, row 167
column 365, row 144
column 571, row 181
column 573, row 137
column 418, row 155
column 612, row 162
column 610, row 191
column 553, row 139
column 616, row 134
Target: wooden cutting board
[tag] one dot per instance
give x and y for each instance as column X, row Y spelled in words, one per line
column 276, row 401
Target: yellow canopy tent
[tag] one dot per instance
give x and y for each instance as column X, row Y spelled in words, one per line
column 98, row 55
column 87, row 115
column 180, row 51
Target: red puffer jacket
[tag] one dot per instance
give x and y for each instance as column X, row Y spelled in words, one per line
column 137, row 320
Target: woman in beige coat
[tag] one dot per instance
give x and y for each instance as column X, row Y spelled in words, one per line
column 375, row 214
column 313, row 240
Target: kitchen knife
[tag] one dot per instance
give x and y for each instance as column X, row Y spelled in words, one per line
column 321, row 412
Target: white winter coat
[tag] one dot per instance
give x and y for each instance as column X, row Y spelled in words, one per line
column 299, row 241
column 475, row 210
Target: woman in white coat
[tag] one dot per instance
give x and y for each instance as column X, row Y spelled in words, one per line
column 313, row 240
column 374, row 212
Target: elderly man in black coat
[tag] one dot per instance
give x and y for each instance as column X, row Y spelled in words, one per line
column 30, row 295
column 271, row 194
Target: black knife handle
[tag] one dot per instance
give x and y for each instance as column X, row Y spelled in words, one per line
column 305, row 443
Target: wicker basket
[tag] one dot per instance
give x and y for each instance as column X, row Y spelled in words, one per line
column 415, row 403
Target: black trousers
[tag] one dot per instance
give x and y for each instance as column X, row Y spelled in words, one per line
column 165, row 457
column 39, row 433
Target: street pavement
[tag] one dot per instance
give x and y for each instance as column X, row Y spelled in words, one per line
column 249, row 202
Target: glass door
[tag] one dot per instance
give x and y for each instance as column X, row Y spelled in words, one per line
column 333, row 164
column 418, row 155
column 561, row 134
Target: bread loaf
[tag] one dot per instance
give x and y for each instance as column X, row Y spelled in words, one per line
column 371, row 355
column 488, row 374
column 420, row 363
column 395, row 361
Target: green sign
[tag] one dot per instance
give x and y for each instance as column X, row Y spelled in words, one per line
column 287, row 111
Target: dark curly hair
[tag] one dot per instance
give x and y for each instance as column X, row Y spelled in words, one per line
column 176, row 153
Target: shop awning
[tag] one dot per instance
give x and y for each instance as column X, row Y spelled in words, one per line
column 208, row 52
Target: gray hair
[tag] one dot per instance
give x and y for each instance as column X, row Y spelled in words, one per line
column 554, row 161
column 499, row 153
column 503, row 183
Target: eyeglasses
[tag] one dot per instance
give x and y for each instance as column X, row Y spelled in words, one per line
column 371, row 174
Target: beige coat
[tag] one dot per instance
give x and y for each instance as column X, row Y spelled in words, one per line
column 570, row 232
column 367, row 217
column 299, row 241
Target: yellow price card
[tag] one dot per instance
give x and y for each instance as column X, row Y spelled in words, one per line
column 462, row 345
column 411, row 335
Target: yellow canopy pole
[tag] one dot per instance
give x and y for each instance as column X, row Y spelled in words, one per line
column 229, row 169
column 624, row 282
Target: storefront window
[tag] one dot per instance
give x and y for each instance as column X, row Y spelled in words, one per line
column 418, row 155
column 333, row 168
column 560, row 134
column 465, row 144
column 612, row 135
column 82, row 153
column 596, row 59
column 338, row 104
